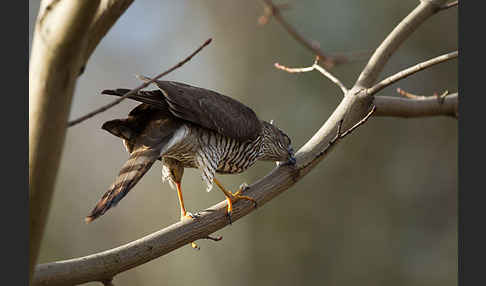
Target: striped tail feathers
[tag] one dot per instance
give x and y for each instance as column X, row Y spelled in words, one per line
column 132, row 171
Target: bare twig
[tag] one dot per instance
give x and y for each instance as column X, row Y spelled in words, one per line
column 340, row 135
column 267, row 13
column 449, row 5
column 411, row 70
column 331, row 77
column 361, row 122
column 439, row 97
column 217, row 238
column 294, row 70
column 131, row 92
column 327, row 61
column 315, row 66
column 408, row 94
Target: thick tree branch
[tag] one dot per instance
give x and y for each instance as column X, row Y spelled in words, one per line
column 105, row 265
column 65, row 35
column 401, row 32
column 351, row 111
column 418, row 107
column 60, row 33
column 107, row 14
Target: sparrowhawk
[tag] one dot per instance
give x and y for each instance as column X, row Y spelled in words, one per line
column 190, row 127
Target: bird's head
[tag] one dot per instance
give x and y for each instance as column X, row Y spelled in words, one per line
column 276, row 145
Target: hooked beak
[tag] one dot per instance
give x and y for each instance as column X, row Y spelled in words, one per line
column 292, row 160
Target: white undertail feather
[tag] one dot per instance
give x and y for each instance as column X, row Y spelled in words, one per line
column 178, row 136
column 166, row 176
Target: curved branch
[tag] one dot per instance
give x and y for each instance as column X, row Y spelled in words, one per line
column 353, row 107
column 391, row 43
column 411, row 70
column 419, row 107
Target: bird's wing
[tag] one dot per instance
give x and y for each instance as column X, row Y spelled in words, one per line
column 212, row 110
column 201, row 106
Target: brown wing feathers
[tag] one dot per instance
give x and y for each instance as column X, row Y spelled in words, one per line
column 201, row 106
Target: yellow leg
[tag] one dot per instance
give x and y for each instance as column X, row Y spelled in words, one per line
column 231, row 198
column 181, row 202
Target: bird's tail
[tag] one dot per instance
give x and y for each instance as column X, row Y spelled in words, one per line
column 151, row 97
column 134, row 168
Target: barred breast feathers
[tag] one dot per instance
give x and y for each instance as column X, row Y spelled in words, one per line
column 208, row 156
column 222, row 154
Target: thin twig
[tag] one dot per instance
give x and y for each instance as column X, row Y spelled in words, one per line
column 267, row 13
column 315, row 66
column 331, row 77
column 440, row 97
column 131, row 92
column 361, row 122
column 449, row 5
column 217, row 238
column 411, row 70
column 340, row 135
column 293, row 70
column 275, row 11
column 408, row 94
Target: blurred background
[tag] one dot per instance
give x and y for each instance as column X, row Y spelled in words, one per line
column 381, row 209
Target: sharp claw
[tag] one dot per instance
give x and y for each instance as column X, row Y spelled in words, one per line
column 189, row 215
column 228, row 214
column 194, row 215
column 243, row 187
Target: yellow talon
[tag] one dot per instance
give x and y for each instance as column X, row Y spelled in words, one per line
column 232, row 198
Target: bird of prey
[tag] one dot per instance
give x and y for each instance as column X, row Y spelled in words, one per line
column 190, row 127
